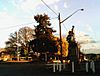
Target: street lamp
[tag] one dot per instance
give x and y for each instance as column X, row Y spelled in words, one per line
column 59, row 18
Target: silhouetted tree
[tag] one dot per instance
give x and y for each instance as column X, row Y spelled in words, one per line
column 25, row 34
column 19, row 40
column 11, row 44
column 44, row 38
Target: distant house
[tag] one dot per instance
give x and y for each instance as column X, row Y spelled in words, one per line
column 2, row 49
column 4, row 54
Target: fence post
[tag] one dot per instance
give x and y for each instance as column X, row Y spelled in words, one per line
column 64, row 65
column 86, row 66
column 73, row 66
column 54, row 67
column 92, row 66
column 60, row 67
column 57, row 65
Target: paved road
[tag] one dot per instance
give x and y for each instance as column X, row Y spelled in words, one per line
column 35, row 70
column 21, row 70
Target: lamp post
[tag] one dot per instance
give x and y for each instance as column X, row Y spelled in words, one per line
column 59, row 18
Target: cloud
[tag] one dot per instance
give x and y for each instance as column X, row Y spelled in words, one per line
column 51, row 2
column 26, row 5
column 54, row 22
column 90, row 48
column 30, row 5
column 65, row 5
column 7, row 20
column 88, row 45
column 89, row 28
column 56, row 7
column 82, row 37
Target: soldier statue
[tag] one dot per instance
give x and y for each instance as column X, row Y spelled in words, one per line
column 72, row 45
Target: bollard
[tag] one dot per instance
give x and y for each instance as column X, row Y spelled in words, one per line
column 92, row 66
column 57, row 65
column 72, row 67
column 54, row 67
column 86, row 66
column 64, row 65
column 60, row 67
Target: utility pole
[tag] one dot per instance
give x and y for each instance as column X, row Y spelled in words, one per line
column 59, row 18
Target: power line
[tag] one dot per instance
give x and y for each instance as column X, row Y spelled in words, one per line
column 4, row 28
column 49, row 8
column 15, row 26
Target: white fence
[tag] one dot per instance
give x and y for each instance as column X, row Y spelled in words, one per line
column 58, row 66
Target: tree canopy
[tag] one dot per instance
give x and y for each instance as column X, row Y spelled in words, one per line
column 44, row 39
column 19, row 39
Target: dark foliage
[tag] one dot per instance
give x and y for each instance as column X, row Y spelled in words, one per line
column 43, row 45
column 44, row 39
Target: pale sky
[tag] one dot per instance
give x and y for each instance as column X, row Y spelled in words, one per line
column 15, row 14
